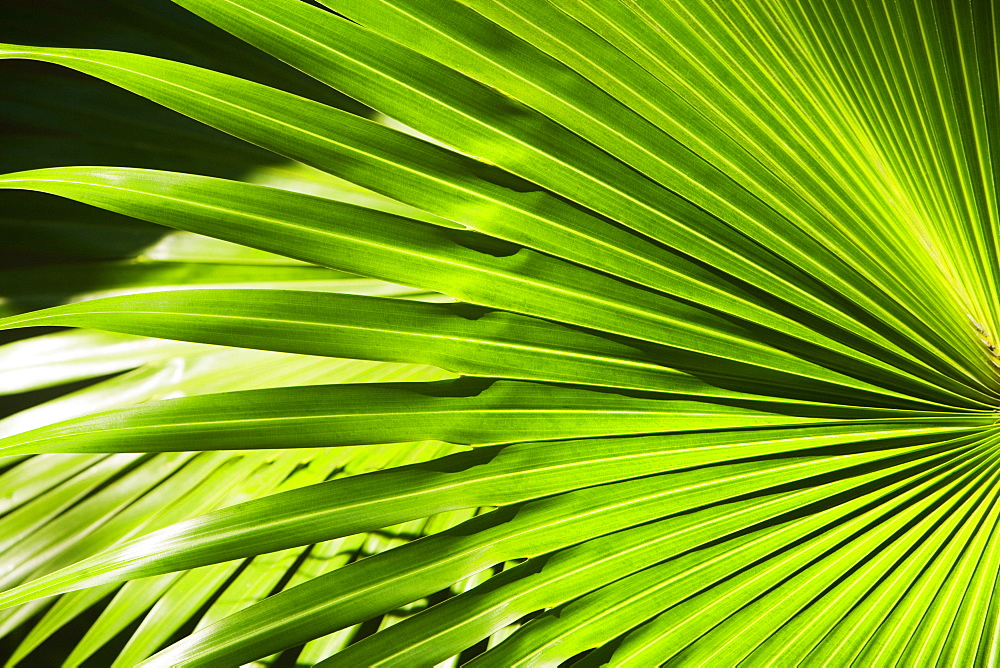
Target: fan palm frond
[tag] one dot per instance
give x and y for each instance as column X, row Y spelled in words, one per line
column 625, row 333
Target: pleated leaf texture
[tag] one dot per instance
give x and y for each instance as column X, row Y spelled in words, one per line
column 632, row 333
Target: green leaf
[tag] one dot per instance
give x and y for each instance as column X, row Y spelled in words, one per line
column 498, row 476
column 335, row 415
column 468, row 266
column 453, row 337
column 484, row 122
column 534, row 528
column 720, row 282
column 334, row 141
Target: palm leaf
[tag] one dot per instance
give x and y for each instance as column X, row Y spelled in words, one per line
column 719, row 281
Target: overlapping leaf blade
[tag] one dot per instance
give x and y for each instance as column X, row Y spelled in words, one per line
column 725, row 272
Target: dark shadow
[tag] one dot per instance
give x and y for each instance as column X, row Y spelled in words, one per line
column 52, row 116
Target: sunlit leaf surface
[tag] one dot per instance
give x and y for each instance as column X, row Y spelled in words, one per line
column 499, row 333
